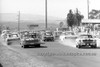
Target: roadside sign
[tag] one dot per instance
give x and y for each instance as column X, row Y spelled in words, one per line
column 33, row 25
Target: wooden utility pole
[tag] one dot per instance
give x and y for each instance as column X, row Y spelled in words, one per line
column 88, row 8
column 46, row 15
column 19, row 21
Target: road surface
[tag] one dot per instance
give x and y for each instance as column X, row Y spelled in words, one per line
column 62, row 54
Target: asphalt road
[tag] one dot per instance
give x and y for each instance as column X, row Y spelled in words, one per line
column 62, row 55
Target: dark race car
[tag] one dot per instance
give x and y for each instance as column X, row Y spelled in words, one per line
column 30, row 39
column 48, row 36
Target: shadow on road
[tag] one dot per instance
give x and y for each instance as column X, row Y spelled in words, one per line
column 36, row 47
column 89, row 48
column 1, row 65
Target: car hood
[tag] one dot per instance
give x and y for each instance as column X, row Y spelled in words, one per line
column 87, row 39
column 31, row 39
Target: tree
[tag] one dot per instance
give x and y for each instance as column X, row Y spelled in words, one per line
column 70, row 18
column 74, row 19
column 61, row 24
column 78, row 17
column 94, row 14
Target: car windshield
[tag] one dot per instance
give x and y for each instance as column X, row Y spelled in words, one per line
column 48, row 33
column 68, row 33
column 13, row 35
column 86, row 36
column 31, row 36
column 58, row 33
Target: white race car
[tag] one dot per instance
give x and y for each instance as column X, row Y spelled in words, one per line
column 86, row 40
column 67, row 35
column 12, row 37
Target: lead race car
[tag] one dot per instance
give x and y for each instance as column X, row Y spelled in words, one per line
column 31, row 39
column 86, row 40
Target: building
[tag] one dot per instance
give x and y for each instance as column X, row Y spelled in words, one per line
column 90, row 21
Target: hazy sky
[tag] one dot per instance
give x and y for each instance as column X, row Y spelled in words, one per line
column 56, row 8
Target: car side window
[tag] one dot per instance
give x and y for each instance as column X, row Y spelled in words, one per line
column 90, row 36
column 9, row 35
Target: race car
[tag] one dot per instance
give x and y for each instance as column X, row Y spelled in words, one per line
column 30, row 39
column 4, row 33
column 86, row 40
column 57, row 34
column 48, row 36
column 12, row 37
column 67, row 35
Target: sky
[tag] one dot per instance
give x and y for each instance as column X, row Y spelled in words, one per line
column 56, row 8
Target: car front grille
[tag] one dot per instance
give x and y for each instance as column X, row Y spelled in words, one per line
column 87, row 41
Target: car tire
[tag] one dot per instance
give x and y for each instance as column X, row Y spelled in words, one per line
column 78, row 46
column 23, row 46
column 38, row 45
column 53, row 39
column 8, row 43
column 94, row 46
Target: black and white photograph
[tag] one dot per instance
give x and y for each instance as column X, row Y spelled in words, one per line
column 49, row 33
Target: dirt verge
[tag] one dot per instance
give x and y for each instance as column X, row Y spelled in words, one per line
column 10, row 58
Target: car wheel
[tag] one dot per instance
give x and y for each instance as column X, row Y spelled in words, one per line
column 53, row 39
column 38, row 45
column 78, row 46
column 94, row 46
column 23, row 46
column 8, row 43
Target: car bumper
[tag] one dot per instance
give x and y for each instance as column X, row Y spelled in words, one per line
column 48, row 38
column 34, row 43
column 13, row 39
column 87, row 44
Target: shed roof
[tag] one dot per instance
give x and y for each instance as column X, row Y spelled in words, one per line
column 97, row 21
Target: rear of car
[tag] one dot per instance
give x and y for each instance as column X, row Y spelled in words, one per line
column 11, row 38
column 86, row 41
column 48, row 36
column 31, row 40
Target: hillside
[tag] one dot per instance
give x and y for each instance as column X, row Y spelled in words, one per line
column 5, row 17
column 11, row 20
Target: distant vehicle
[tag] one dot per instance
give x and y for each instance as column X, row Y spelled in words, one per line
column 48, row 36
column 31, row 39
column 4, row 33
column 57, row 34
column 86, row 40
column 67, row 35
column 12, row 37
